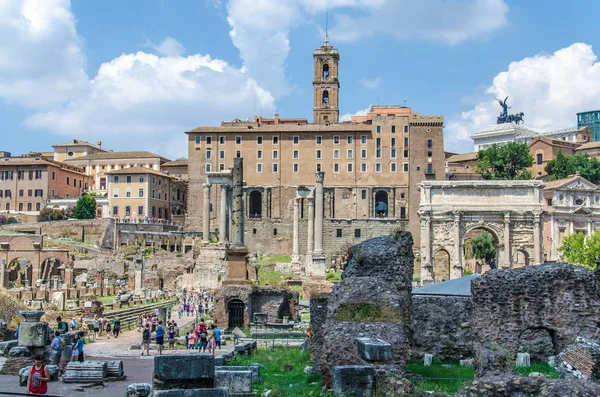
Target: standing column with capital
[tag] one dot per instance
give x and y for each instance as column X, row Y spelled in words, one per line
column 457, row 269
column 296, row 232
column 310, row 234
column 223, row 215
column 206, row 213
column 318, row 254
column 237, row 215
column 507, row 250
column 537, row 238
column 427, row 276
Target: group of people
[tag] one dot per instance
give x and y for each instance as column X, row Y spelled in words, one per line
column 197, row 303
column 203, row 338
column 99, row 325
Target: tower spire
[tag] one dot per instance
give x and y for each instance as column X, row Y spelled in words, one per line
column 326, row 44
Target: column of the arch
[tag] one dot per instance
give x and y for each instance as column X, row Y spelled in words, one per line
column 223, row 215
column 507, row 250
column 537, row 238
column 457, row 269
column 206, row 213
column 296, row 232
column 426, row 264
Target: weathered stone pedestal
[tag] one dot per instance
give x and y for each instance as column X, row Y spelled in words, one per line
column 33, row 333
column 238, row 268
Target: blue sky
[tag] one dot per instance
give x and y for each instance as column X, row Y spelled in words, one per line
column 136, row 74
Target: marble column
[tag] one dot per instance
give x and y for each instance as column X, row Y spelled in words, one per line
column 554, row 237
column 3, row 278
column 296, row 232
column 537, row 234
column 319, row 214
column 311, row 225
column 223, row 215
column 427, row 276
column 507, row 250
column 318, row 257
column 589, row 228
column 457, row 269
column 206, row 213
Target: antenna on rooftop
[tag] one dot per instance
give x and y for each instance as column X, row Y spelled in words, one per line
column 326, row 29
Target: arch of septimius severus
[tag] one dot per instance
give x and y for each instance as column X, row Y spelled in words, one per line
column 511, row 211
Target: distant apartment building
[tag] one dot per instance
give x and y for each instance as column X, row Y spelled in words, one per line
column 27, row 183
column 74, row 149
column 99, row 165
column 142, row 193
column 591, row 120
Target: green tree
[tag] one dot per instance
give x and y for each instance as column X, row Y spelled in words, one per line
column 510, row 161
column 563, row 166
column 85, row 208
column 483, row 247
column 49, row 214
column 580, row 250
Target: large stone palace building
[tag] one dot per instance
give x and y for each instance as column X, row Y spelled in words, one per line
column 371, row 167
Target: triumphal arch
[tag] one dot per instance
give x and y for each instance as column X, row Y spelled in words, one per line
column 452, row 211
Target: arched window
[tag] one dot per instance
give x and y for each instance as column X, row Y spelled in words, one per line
column 540, row 158
column 255, row 204
column 325, row 71
column 381, row 204
column 325, row 98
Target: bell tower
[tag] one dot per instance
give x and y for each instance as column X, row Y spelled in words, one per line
column 326, row 85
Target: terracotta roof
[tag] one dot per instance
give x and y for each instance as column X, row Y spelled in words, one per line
column 555, row 142
column 34, row 161
column 137, row 170
column 339, row 127
column 589, row 145
column 176, row 163
column 77, row 142
column 457, row 158
column 119, row 155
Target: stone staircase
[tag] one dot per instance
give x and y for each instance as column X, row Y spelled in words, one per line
column 129, row 316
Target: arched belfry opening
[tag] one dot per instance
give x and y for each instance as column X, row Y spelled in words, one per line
column 325, row 98
column 325, row 71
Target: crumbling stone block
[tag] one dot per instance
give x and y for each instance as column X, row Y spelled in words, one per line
column 353, row 380
column 255, row 369
column 19, row 351
column 238, row 382
column 6, row 346
column 139, row 390
column 172, row 372
column 372, row 349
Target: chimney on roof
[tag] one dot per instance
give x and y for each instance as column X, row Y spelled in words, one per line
column 276, row 118
column 99, row 143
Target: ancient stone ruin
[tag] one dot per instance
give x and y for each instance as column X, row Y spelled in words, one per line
column 372, row 301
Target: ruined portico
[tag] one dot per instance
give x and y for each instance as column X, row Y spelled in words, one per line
column 449, row 210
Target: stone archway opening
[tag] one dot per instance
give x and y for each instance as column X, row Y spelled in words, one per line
column 49, row 269
column 477, row 265
column 520, row 258
column 381, row 204
column 441, row 265
column 255, row 210
column 235, row 310
column 20, row 272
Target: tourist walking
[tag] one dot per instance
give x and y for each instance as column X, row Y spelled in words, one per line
column 96, row 326
column 146, row 338
column 77, row 354
column 217, row 333
column 171, row 337
column 56, row 346
column 160, row 337
column 117, row 327
column 108, row 328
column 140, row 322
column 212, row 341
column 62, row 326
column 37, row 381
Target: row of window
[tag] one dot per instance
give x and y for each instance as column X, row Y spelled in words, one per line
column 128, row 194
column 392, row 129
column 153, row 212
column 21, row 175
column 295, row 139
column 123, row 166
column 296, row 168
column 140, row 179
column 318, row 154
column 30, row 193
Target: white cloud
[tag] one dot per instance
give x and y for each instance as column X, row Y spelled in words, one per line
column 348, row 116
column 448, row 21
column 133, row 101
column 549, row 88
column 41, row 58
column 169, row 47
column 371, row 84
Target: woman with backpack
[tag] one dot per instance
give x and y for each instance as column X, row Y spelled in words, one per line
column 146, row 338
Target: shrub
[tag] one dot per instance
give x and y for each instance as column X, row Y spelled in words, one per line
column 367, row 313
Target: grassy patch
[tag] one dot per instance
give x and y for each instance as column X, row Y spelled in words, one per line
column 542, row 368
column 284, row 384
column 107, row 300
column 438, row 371
column 274, row 259
column 334, row 276
column 366, row 313
column 272, row 278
